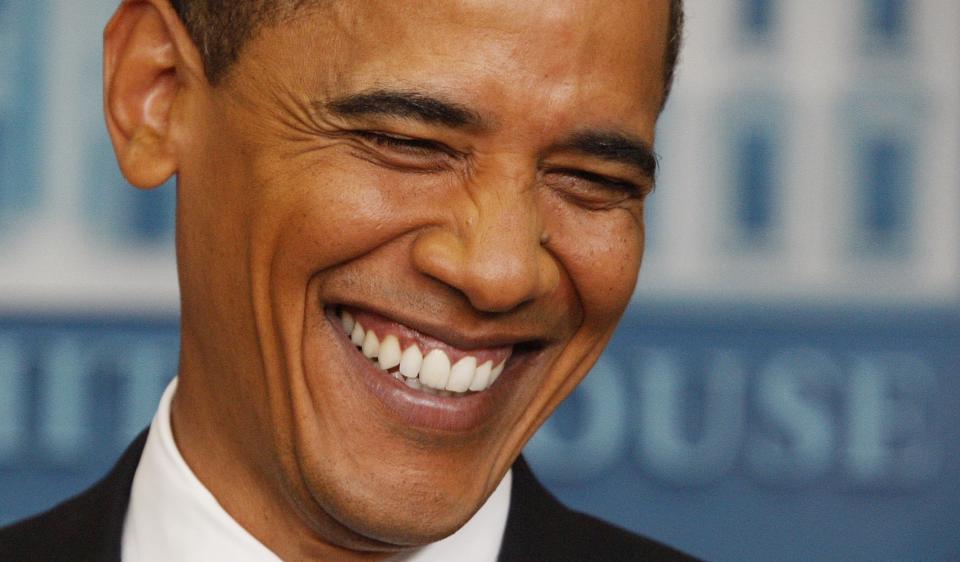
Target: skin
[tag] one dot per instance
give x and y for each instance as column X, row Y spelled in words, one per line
column 489, row 234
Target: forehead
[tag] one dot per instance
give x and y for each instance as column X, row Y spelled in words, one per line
column 597, row 59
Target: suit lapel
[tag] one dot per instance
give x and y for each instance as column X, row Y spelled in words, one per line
column 534, row 518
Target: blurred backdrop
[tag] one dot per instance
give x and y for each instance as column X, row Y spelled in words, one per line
column 785, row 384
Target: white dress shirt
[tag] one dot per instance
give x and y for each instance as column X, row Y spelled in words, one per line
column 172, row 516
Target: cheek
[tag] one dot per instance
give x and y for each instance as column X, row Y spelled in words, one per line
column 601, row 253
column 325, row 211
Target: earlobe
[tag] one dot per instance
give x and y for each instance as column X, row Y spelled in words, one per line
column 143, row 77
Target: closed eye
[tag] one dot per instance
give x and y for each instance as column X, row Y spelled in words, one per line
column 405, row 144
column 625, row 186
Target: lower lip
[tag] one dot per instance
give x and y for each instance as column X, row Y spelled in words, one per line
column 421, row 410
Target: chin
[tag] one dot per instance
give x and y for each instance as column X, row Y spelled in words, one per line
column 400, row 422
column 385, row 508
column 384, row 464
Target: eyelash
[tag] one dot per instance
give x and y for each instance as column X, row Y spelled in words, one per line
column 425, row 147
column 620, row 185
column 403, row 143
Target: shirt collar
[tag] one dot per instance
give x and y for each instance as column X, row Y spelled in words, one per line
column 172, row 515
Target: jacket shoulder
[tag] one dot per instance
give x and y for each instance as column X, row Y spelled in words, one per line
column 541, row 528
column 86, row 527
column 595, row 539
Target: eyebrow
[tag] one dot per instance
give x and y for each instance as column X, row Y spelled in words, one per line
column 410, row 104
column 614, row 147
column 405, row 105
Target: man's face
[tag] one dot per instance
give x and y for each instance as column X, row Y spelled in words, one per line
column 463, row 177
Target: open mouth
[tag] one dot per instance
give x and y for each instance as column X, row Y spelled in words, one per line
column 420, row 362
column 431, row 377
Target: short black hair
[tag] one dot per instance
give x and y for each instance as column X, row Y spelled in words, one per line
column 221, row 28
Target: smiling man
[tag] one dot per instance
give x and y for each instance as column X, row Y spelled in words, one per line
column 405, row 232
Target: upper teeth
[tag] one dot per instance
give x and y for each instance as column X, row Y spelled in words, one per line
column 431, row 372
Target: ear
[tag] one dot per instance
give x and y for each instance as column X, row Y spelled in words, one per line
column 149, row 64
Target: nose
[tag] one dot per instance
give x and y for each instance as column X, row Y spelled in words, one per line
column 491, row 251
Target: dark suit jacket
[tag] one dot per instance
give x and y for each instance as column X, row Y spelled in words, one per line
column 89, row 526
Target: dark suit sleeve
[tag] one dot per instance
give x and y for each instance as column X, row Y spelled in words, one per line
column 85, row 528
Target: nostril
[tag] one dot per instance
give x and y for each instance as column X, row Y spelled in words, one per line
column 502, row 286
column 496, row 266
